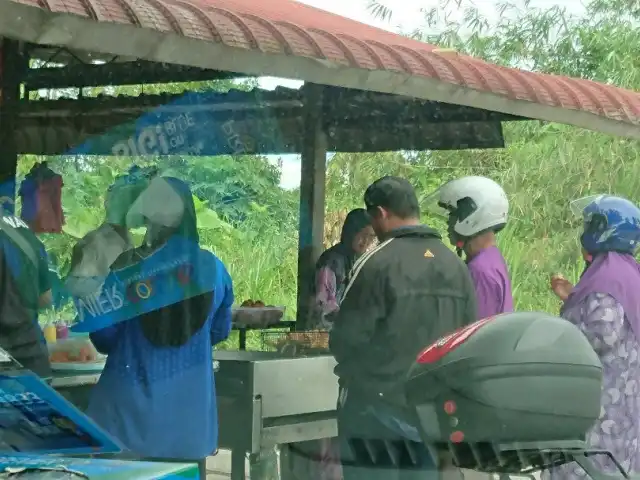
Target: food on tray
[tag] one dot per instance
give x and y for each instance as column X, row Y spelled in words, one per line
column 85, row 354
column 74, row 350
column 313, row 340
column 255, row 314
column 254, row 304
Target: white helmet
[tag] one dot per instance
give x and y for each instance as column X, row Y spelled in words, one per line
column 478, row 204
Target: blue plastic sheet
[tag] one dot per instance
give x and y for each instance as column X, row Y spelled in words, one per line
column 187, row 126
column 34, row 418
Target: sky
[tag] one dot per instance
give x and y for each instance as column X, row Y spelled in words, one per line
column 406, row 17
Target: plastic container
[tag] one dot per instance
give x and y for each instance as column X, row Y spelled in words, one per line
column 62, row 331
column 76, row 353
column 50, row 333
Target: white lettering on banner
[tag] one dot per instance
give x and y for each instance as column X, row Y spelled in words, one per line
column 14, row 222
column 157, row 139
column 150, row 273
column 233, row 138
column 227, row 128
column 23, row 398
column 150, row 141
column 106, row 301
column 111, row 299
column 177, row 141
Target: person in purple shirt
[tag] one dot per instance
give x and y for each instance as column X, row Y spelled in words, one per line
column 477, row 209
column 605, row 305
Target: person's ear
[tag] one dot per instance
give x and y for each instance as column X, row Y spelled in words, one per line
column 373, row 213
column 378, row 213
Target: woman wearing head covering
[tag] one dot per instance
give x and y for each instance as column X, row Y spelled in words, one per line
column 163, row 307
column 334, row 264
column 477, row 209
column 332, row 270
column 605, row 305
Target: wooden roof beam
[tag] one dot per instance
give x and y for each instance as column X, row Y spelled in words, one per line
column 118, row 74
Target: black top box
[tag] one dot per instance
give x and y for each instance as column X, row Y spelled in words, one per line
column 519, row 377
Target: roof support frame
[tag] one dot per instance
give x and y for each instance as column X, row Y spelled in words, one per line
column 399, row 109
column 313, row 172
column 118, row 74
column 12, row 67
column 78, row 33
column 343, row 110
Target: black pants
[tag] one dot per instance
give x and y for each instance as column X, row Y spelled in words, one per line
column 370, row 450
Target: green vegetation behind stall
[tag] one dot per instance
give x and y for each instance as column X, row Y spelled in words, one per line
column 251, row 223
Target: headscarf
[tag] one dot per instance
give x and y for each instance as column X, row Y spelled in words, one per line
column 167, row 208
column 341, row 257
column 615, row 274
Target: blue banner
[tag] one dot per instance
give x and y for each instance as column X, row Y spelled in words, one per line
column 197, row 123
column 34, row 418
column 178, row 271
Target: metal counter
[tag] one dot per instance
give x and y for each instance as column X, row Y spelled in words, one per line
column 264, row 399
column 75, row 387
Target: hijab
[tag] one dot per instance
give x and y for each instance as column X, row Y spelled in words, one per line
column 341, row 257
column 615, row 274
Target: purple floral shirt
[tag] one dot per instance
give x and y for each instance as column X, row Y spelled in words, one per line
column 326, row 297
column 602, row 320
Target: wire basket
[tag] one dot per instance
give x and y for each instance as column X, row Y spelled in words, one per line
column 297, row 344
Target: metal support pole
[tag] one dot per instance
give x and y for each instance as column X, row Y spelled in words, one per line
column 13, row 65
column 312, row 198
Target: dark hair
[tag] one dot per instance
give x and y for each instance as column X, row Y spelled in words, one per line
column 355, row 221
column 394, row 194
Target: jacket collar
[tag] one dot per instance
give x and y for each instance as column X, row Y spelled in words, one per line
column 411, row 231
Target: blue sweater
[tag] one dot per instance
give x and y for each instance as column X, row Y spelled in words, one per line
column 161, row 401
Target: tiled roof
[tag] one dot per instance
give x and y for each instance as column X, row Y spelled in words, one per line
column 292, row 29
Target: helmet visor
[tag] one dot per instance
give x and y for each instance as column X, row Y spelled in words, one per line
column 577, row 206
column 432, row 204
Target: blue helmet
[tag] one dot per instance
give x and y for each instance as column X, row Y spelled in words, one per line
column 610, row 224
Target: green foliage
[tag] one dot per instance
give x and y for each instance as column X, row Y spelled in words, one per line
column 546, row 165
column 601, row 45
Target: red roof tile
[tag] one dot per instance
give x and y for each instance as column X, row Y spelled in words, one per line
column 286, row 27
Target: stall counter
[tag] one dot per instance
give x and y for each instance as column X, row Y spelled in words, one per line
column 75, row 387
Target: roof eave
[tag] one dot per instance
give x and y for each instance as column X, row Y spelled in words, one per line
column 74, row 32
